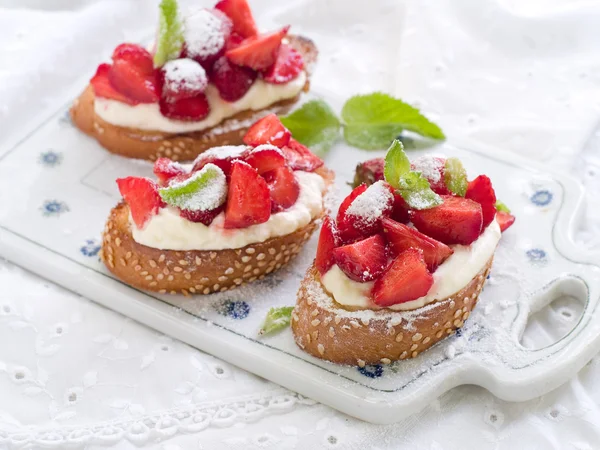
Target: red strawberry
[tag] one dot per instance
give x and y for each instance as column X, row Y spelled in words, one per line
column 240, row 14
column 456, row 221
column 129, row 81
column 369, row 172
column 400, row 209
column 165, row 169
column 137, row 55
column 187, row 109
column 299, row 157
column 104, row 89
column 233, row 41
column 206, row 34
column 268, row 130
column 265, row 158
column 364, row 260
column 258, row 52
column 481, row 191
column 222, row 160
column 205, row 217
column 182, row 78
column 406, row 279
column 141, row 194
column 287, row 66
column 401, row 238
column 232, row 81
column 505, row 220
column 328, row 241
column 248, row 199
column 342, row 222
column 432, row 168
column 284, row 188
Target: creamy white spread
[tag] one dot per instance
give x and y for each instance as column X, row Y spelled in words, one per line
column 169, row 231
column 147, row 116
column 450, row 277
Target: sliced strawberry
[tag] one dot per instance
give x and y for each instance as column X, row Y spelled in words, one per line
column 406, row 279
column 505, row 220
column 240, row 14
column 328, row 241
column 401, row 238
column 248, row 198
column 432, row 168
column 233, row 41
column 129, row 81
column 287, row 66
column 137, row 55
column 165, row 169
column 220, row 157
column 299, row 157
column 481, row 191
column 369, row 171
column 232, row 81
column 284, row 188
column 258, row 52
column 205, row 217
column 400, row 210
column 456, row 221
column 265, row 158
column 141, row 194
column 342, row 222
column 206, row 33
column 363, row 260
column 104, row 89
column 268, row 130
column 182, row 78
column 187, row 109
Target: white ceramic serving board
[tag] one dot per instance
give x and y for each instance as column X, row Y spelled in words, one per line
column 57, row 187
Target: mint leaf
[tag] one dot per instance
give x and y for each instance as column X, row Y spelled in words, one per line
column 169, row 40
column 372, row 121
column 415, row 190
column 502, row 207
column 455, row 177
column 314, row 125
column 277, row 319
column 396, row 163
column 203, row 191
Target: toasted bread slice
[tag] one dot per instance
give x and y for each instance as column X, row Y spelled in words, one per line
column 323, row 328
column 196, row 271
column 151, row 145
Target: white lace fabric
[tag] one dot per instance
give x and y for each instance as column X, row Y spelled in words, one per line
column 520, row 75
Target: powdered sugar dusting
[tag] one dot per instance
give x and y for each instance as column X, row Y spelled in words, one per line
column 184, row 74
column 371, row 204
column 212, row 195
column 222, row 152
column 430, row 167
column 204, row 34
column 263, row 147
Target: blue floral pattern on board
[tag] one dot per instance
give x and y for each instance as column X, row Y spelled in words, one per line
column 91, row 248
column 65, row 119
column 236, row 309
column 542, row 198
column 50, row 158
column 371, row 371
column 54, row 208
column 536, row 255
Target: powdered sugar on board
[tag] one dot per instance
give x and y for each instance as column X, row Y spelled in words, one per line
column 371, row 204
column 204, row 34
column 184, row 74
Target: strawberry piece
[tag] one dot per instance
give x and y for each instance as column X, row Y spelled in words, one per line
column 505, row 220
column 481, row 191
column 268, row 130
column 104, row 89
column 406, row 279
column 284, row 188
column 328, row 241
column 206, row 33
column 233, row 41
column 141, row 194
column 221, row 157
column 265, row 158
column 129, row 81
column 401, row 238
column 240, row 14
column 165, row 169
column 432, row 168
column 258, row 52
column 182, row 78
column 186, row 109
column 400, row 209
column 342, row 222
column 299, row 157
column 248, row 199
column 363, row 260
column 205, row 217
column 456, row 221
column 136, row 55
column 231, row 81
column 287, row 66
column 369, row 171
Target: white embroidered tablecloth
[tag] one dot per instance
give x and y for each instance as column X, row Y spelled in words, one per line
column 522, row 75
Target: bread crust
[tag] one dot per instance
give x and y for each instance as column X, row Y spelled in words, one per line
column 196, row 271
column 150, row 145
column 324, row 329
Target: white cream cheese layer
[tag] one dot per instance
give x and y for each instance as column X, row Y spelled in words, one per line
column 147, row 116
column 169, row 231
column 454, row 274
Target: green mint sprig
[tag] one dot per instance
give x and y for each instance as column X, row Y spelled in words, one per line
column 204, row 190
column 277, row 319
column 169, row 40
column 502, row 207
column 455, row 177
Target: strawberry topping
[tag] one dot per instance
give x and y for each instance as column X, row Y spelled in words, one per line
column 369, row 172
column 299, row 157
column 240, row 14
column 328, row 241
column 432, row 168
column 284, row 188
column 104, row 89
column 220, row 157
column 135, row 54
column 287, row 66
column 231, row 80
column 133, row 83
column 141, row 194
column 248, row 199
column 406, row 279
column 206, row 32
column 205, row 217
column 182, row 78
column 165, row 169
column 265, row 158
column 400, row 209
column 258, row 52
column 363, row 260
column 268, row 130
column 186, row 109
column 505, row 220
column 481, row 191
